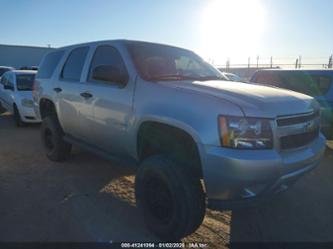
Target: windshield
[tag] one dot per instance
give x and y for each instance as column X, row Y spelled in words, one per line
column 24, row 82
column 159, row 62
column 233, row 77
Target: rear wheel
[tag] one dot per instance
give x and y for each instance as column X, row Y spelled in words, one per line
column 17, row 117
column 52, row 137
column 172, row 201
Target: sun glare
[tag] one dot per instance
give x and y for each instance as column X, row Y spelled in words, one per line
column 231, row 28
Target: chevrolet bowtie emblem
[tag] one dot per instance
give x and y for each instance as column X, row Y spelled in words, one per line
column 310, row 126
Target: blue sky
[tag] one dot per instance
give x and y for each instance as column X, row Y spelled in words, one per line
column 284, row 29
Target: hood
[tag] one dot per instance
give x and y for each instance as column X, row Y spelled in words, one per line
column 254, row 100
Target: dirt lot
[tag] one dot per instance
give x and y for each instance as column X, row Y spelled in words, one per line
column 90, row 199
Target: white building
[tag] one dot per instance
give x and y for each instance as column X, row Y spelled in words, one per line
column 20, row 56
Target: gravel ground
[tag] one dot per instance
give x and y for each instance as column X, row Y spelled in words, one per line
column 90, row 199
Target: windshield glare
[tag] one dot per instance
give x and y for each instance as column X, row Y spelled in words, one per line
column 24, row 82
column 161, row 62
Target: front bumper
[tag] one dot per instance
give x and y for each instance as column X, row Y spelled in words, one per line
column 233, row 175
column 28, row 115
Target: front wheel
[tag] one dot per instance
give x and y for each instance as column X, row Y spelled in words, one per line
column 171, row 200
column 57, row 149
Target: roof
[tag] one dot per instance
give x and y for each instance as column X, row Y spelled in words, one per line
column 121, row 41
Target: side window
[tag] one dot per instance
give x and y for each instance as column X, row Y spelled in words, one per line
column 8, row 80
column 48, row 65
column 107, row 56
column 73, row 66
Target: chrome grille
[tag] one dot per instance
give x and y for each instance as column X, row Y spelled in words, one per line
column 299, row 140
column 298, row 130
column 297, row 119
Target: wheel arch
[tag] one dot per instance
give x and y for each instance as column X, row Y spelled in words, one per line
column 46, row 107
column 177, row 132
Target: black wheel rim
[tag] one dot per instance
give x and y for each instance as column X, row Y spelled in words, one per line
column 48, row 139
column 157, row 199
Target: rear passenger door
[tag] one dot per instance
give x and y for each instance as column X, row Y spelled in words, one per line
column 75, row 109
column 112, row 105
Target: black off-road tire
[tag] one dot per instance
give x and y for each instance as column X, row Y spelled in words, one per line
column 172, row 201
column 52, row 137
column 17, row 117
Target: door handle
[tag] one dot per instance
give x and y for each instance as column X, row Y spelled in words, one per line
column 86, row 95
column 57, row 89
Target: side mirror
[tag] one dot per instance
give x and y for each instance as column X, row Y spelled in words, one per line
column 8, row 87
column 110, row 74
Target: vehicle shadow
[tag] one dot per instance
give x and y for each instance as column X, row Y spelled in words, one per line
column 302, row 214
column 103, row 200
column 83, row 199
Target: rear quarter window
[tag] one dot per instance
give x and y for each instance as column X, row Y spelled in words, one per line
column 49, row 64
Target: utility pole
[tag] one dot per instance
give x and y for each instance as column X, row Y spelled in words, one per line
column 330, row 61
column 257, row 61
column 296, row 64
column 249, row 62
column 271, row 61
column 227, row 65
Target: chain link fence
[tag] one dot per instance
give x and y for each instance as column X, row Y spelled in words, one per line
column 283, row 62
column 246, row 70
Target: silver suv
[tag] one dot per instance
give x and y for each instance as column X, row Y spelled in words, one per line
column 196, row 138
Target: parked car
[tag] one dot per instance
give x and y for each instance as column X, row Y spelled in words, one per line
column 232, row 77
column 165, row 110
column 316, row 83
column 4, row 69
column 16, row 95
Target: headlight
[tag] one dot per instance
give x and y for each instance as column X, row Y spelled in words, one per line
column 27, row 102
column 245, row 133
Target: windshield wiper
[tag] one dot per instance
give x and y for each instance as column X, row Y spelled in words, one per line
column 170, row 77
